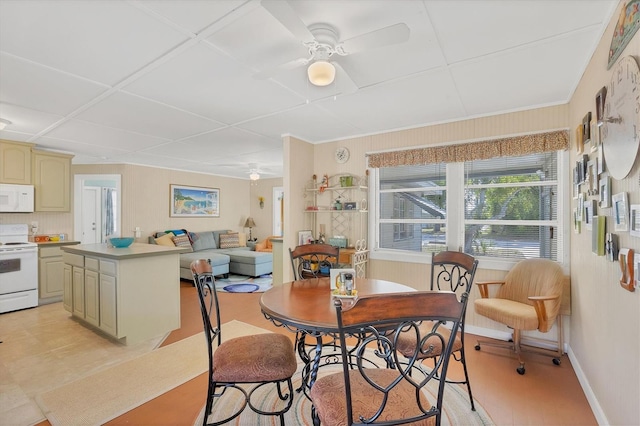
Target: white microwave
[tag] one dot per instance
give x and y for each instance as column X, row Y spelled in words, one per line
column 16, row 198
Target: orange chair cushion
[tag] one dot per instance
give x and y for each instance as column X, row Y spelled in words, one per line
column 257, row 358
column 519, row 316
column 328, row 396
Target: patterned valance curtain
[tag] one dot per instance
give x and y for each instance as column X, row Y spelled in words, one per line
column 505, row 147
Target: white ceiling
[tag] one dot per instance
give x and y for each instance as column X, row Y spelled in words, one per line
column 173, row 83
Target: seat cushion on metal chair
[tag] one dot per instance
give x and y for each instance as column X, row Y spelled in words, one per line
column 513, row 314
column 250, row 359
column 328, row 395
column 407, row 342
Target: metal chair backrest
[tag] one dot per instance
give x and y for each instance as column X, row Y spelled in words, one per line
column 205, row 284
column 313, row 260
column 380, row 319
column 453, row 271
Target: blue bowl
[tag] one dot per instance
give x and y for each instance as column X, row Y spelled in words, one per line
column 121, row 242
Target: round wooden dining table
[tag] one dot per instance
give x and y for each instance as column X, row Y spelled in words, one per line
column 306, row 307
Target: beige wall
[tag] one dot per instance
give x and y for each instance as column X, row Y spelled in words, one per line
column 145, row 202
column 605, row 324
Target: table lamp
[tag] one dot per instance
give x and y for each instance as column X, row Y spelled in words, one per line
column 249, row 224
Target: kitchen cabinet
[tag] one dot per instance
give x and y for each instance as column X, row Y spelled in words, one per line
column 340, row 202
column 50, row 272
column 15, row 162
column 51, row 178
column 132, row 293
column 67, row 280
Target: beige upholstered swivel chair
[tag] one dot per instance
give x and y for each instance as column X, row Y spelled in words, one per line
column 528, row 299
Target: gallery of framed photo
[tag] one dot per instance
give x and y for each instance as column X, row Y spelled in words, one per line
column 193, row 201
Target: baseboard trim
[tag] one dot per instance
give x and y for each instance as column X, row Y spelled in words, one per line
column 601, row 418
column 506, row 335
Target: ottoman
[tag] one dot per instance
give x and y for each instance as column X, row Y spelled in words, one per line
column 252, row 263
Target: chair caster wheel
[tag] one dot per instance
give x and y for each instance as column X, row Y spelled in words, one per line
column 520, row 370
column 477, row 347
column 556, row 361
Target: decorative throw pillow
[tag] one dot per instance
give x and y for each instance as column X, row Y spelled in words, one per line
column 182, row 240
column 230, row 240
column 242, row 239
column 166, row 240
column 203, row 241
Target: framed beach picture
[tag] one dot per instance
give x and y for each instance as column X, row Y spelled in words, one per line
column 193, row 201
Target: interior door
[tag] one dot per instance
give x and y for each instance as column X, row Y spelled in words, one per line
column 91, row 215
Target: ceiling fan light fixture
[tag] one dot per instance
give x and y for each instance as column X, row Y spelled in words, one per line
column 254, row 176
column 321, row 73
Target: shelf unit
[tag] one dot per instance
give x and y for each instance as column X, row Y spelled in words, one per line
column 349, row 221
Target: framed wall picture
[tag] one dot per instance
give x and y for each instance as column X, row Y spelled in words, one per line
column 305, row 237
column 580, row 215
column 589, row 213
column 604, row 191
column 193, row 201
column 600, row 157
column 627, row 276
column 579, row 139
column 595, row 135
column 634, row 220
column 611, row 246
column 576, row 222
column 620, row 211
column 600, row 97
column 586, row 128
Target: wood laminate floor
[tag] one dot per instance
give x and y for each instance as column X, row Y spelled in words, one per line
column 545, row 395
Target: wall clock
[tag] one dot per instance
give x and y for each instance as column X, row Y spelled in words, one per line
column 342, row 155
column 621, row 121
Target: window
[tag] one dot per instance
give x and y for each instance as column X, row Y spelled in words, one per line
column 412, row 208
column 505, row 208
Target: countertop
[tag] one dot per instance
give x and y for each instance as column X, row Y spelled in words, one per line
column 57, row 243
column 133, row 251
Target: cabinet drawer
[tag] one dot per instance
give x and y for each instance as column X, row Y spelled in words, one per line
column 108, row 267
column 49, row 251
column 91, row 263
column 73, row 259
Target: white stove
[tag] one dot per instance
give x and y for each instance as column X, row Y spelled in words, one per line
column 18, row 268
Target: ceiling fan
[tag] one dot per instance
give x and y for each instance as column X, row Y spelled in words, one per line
column 324, row 44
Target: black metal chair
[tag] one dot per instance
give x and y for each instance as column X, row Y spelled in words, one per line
column 392, row 393
column 259, row 360
column 450, row 271
column 313, row 260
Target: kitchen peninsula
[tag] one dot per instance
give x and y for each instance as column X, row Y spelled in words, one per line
column 131, row 293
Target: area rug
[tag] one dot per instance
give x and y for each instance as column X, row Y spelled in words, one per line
column 100, row 397
column 244, row 284
column 457, row 410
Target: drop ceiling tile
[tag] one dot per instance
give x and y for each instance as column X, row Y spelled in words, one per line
column 144, row 116
column 470, row 29
column 427, row 97
column 213, row 85
column 103, row 152
column 94, row 134
column 104, row 41
column 309, row 122
column 194, row 15
column 147, row 159
column 27, row 120
column 223, row 143
column 504, row 86
column 31, row 86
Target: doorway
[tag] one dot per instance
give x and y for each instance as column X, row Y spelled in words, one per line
column 97, row 207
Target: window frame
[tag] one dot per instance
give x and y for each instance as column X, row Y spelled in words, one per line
column 455, row 220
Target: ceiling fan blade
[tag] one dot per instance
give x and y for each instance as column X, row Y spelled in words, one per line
column 283, row 12
column 393, row 34
column 344, row 82
column 272, row 72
